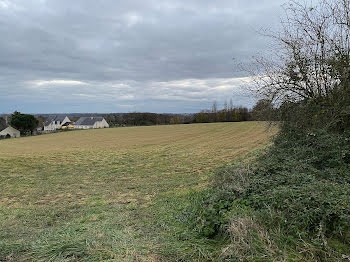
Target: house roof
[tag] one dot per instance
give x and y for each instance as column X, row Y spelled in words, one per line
column 50, row 119
column 88, row 121
column 9, row 129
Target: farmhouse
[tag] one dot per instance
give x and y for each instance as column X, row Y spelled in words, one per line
column 91, row 122
column 8, row 132
column 55, row 122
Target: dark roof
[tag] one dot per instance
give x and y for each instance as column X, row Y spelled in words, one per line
column 54, row 118
column 2, row 124
column 88, row 121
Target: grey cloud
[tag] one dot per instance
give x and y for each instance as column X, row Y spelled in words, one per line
column 187, row 95
column 148, row 44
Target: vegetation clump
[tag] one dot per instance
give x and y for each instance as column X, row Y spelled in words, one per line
column 24, row 122
column 295, row 193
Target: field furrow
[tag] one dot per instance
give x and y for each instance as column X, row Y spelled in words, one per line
column 77, row 196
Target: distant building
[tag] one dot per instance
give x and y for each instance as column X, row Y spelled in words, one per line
column 55, row 122
column 91, row 122
column 8, row 132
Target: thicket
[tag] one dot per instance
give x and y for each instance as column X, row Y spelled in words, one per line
column 297, row 192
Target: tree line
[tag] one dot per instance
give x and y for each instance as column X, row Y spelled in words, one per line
column 146, row 119
column 228, row 113
column 263, row 110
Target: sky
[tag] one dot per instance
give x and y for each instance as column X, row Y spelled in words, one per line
column 171, row 56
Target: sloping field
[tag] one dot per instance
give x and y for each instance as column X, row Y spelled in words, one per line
column 84, row 195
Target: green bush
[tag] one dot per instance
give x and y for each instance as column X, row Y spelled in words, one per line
column 300, row 187
column 209, row 211
column 306, row 176
column 329, row 113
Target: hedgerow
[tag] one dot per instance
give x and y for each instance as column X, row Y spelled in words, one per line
column 299, row 187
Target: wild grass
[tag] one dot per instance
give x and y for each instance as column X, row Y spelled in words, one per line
column 97, row 195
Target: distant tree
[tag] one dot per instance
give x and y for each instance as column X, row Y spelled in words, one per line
column 23, row 122
column 225, row 106
column 214, row 111
column 214, row 107
column 41, row 120
column 203, row 117
column 2, row 123
column 227, row 114
column 223, row 113
column 175, row 120
column 263, row 110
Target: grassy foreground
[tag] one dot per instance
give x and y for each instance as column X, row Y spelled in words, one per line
column 89, row 195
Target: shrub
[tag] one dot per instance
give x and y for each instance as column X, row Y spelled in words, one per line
column 300, row 187
column 209, row 209
column 306, row 177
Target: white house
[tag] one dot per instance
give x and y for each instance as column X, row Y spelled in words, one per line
column 91, row 122
column 9, row 132
column 55, row 122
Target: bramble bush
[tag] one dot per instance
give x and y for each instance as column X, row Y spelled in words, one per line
column 300, row 186
column 305, row 177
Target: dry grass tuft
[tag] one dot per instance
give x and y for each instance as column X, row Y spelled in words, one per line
column 249, row 242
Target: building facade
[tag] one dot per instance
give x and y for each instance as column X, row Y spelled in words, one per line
column 91, row 122
column 10, row 132
column 55, row 122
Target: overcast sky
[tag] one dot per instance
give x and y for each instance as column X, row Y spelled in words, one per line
column 123, row 56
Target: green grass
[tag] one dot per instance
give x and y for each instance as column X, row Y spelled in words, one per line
column 101, row 195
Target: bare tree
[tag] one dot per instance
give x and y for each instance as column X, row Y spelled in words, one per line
column 231, row 105
column 312, row 60
column 310, row 66
column 225, row 106
column 214, row 107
